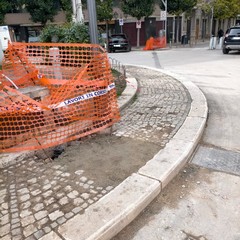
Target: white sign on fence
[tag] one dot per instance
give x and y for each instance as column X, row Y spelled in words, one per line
column 163, row 16
column 138, row 24
column 121, row 22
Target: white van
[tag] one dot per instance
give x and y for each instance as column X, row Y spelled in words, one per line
column 4, row 37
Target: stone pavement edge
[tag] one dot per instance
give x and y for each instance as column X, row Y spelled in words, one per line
column 108, row 216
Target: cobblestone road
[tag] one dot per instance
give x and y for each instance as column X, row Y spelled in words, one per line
column 36, row 197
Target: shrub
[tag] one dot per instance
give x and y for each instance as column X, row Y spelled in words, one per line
column 67, row 33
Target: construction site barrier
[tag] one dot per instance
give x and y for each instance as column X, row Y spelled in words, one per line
column 155, row 43
column 52, row 93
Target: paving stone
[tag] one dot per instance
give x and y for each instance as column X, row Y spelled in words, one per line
column 85, row 196
column 23, row 191
column 32, row 180
column 47, row 194
column 17, row 237
column 79, row 172
column 61, row 220
column 15, row 215
column 42, row 222
column 66, row 175
column 47, row 229
column 85, row 205
column 24, row 198
column 54, row 224
column 16, row 225
column 49, row 201
column 4, row 205
column 5, row 219
column 38, row 207
column 27, row 220
column 78, row 201
column 63, row 201
column 109, row 188
column 15, row 220
column 69, row 215
column 86, row 186
column 73, row 194
column 83, row 179
column 6, row 237
column 76, row 210
column 41, row 214
column 68, row 188
column 46, row 187
column 30, row 229
column 5, row 229
column 53, row 216
column 16, row 231
column 26, row 204
column 39, row 234
column 25, row 213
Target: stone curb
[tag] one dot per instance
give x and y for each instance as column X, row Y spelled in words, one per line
column 129, row 92
column 117, row 209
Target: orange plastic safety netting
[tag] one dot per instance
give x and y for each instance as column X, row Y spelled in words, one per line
column 51, row 93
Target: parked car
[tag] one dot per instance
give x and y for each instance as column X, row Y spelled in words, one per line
column 231, row 40
column 118, row 42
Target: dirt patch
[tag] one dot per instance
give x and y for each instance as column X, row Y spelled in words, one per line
column 107, row 159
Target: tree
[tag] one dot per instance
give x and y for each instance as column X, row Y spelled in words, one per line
column 66, row 6
column 4, row 8
column 224, row 9
column 7, row 6
column 105, row 12
column 42, row 10
column 177, row 7
column 138, row 9
column 220, row 9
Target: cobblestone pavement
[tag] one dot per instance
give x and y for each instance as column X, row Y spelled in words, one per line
column 159, row 110
column 36, row 197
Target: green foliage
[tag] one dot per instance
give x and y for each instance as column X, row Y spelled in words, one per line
column 42, row 10
column 177, row 7
column 226, row 8
column 222, row 9
column 68, row 33
column 4, row 7
column 67, row 7
column 76, row 33
column 138, row 8
column 104, row 10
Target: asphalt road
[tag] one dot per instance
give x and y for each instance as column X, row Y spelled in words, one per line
column 202, row 202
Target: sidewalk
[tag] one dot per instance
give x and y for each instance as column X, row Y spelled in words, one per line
column 175, row 45
column 48, row 201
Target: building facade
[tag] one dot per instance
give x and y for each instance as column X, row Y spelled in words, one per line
column 187, row 28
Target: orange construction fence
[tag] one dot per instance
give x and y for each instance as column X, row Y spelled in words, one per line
column 154, row 43
column 51, row 93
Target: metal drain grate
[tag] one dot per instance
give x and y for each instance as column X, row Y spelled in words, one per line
column 218, row 159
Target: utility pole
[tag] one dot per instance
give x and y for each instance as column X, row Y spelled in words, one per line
column 91, row 4
column 165, row 6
